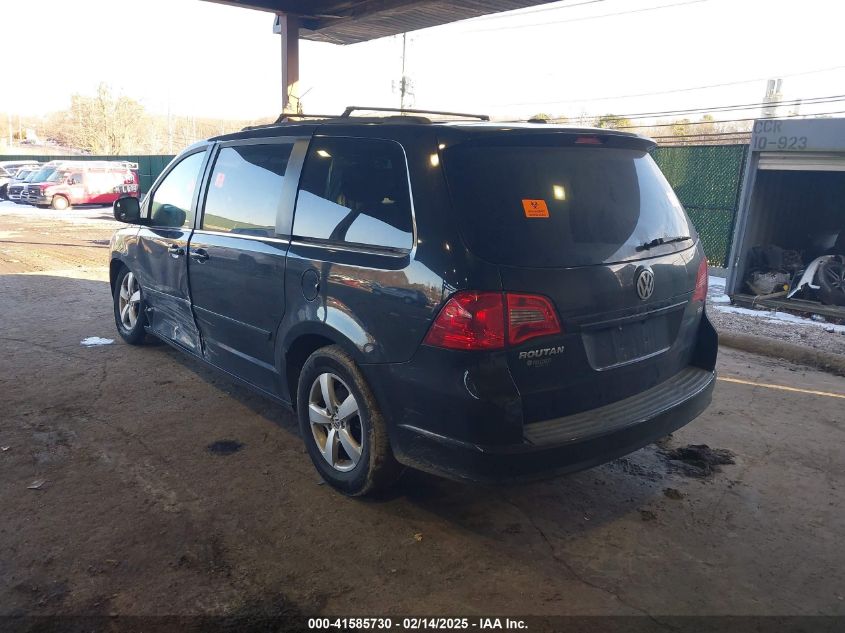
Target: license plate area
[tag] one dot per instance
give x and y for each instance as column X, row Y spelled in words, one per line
column 631, row 341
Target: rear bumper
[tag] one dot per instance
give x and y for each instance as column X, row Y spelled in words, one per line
column 461, row 416
column 555, row 446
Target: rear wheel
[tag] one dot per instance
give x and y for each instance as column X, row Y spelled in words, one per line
column 60, row 203
column 342, row 425
column 129, row 315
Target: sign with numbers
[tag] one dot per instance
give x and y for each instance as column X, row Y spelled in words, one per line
column 798, row 135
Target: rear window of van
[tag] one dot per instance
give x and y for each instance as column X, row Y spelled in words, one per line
column 547, row 206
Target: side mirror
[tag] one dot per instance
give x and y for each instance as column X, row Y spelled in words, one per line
column 127, row 210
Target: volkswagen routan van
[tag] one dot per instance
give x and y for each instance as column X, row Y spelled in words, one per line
column 481, row 301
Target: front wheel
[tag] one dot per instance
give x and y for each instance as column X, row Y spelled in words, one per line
column 60, row 203
column 129, row 315
column 342, row 425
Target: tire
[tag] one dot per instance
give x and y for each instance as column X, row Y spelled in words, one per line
column 59, row 203
column 331, row 370
column 131, row 330
column 831, row 280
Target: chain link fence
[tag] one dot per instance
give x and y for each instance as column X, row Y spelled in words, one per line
column 707, row 179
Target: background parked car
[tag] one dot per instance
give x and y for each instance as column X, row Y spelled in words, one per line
column 85, row 182
column 5, row 177
column 11, row 165
column 16, row 186
column 9, row 172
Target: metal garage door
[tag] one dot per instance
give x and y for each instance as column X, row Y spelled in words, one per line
column 802, row 161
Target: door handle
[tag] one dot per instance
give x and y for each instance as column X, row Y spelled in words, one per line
column 175, row 251
column 199, row 254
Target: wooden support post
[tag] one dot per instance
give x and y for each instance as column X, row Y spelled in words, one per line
column 289, row 27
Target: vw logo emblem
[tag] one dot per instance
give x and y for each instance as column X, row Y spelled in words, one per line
column 645, row 283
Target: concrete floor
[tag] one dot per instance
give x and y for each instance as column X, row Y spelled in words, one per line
column 136, row 516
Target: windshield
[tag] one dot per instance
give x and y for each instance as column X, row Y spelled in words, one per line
column 57, row 176
column 562, row 206
column 42, row 175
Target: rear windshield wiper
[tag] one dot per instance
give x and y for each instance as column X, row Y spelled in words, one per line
column 660, row 241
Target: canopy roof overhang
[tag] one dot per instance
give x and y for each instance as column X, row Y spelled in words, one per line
column 353, row 21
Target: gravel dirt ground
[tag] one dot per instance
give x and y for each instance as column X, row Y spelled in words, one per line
column 136, row 481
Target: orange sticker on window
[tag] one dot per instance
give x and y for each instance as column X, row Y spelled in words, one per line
column 535, row 208
column 219, row 180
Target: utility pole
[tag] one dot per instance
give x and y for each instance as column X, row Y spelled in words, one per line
column 169, row 126
column 403, row 83
column 9, row 117
column 772, row 98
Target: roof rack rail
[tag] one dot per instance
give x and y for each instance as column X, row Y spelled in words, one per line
column 287, row 117
column 350, row 109
column 284, row 116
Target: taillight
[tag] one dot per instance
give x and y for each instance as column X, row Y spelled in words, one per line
column 480, row 320
column 700, row 293
column 530, row 316
column 470, row 320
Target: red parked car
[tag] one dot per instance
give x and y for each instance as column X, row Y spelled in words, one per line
column 85, row 182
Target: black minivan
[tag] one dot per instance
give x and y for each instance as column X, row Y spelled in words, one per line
column 482, row 301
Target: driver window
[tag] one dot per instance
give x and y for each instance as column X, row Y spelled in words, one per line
column 75, row 179
column 171, row 202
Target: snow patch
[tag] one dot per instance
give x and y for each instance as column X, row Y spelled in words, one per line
column 93, row 341
column 772, row 316
column 716, row 290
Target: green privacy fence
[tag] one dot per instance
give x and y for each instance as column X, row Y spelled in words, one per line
column 149, row 167
column 707, row 179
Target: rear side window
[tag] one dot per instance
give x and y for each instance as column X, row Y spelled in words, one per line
column 355, row 191
column 550, row 206
column 245, row 189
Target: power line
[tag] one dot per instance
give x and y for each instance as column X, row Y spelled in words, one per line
column 589, row 17
column 628, row 127
column 748, row 133
column 709, row 135
column 728, row 108
column 512, row 15
column 713, row 134
column 675, row 90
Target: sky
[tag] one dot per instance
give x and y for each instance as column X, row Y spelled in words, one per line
column 567, row 58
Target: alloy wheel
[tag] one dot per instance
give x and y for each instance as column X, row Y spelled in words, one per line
column 335, row 422
column 835, row 276
column 129, row 302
